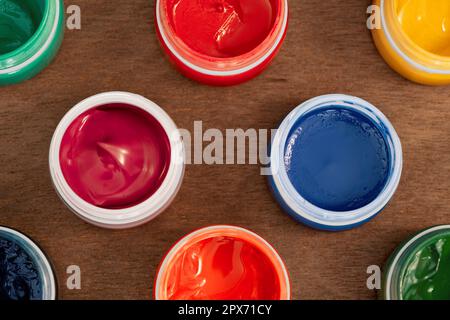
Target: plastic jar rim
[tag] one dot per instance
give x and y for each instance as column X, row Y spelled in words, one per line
column 406, row 48
column 223, row 66
column 311, row 212
column 37, row 44
column 47, row 274
column 226, row 230
column 142, row 212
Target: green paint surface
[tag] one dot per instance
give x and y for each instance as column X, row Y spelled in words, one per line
column 31, row 32
column 426, row 275
column 19, row 20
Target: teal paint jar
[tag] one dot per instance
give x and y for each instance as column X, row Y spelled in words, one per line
column 31, row 32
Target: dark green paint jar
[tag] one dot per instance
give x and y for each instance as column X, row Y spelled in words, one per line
column 419, row 269
column 31, row 32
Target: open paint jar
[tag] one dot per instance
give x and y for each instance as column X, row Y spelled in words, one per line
column 31, row 32
column 25, row 272
column 419, row 269
column 221, row 42
column 336, row 161
column 414, row 38
column 222, row 263
column 117, row 160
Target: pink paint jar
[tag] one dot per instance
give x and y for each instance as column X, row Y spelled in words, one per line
column 117, row 160
column 221, row 42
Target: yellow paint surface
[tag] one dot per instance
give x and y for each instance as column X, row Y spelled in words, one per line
column 427, row 23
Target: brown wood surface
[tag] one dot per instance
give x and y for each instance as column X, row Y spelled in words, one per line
column 328, row 49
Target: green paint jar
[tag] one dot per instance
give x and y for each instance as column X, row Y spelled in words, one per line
column 419, row 269
column 31, row 32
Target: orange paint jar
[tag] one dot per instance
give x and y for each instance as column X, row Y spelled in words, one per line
column 222, row 263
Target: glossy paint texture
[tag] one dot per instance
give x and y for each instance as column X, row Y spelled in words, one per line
column 414, row 39
column 427, row 272
column 31, row 32
column 222, row 268
column 337, row 159
column 115, row 156
column 19, row 276
column 221, row 28
column 19, row 20
column 427, row 23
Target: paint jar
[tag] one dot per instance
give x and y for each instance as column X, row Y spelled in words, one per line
column 221, row 42
column 117, row 160
column 414, row 39
column 222, row 263
column 31, row 32
column 25, row 272
column 419, row 269
column 336, row 161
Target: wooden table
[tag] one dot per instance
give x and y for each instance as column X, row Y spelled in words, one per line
column 328, row 49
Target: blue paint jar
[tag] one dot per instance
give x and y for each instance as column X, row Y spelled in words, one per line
column 336, row 161
column 25, row 272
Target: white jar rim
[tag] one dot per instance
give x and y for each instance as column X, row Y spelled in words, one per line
column 142, row 212
column 37, row 255
column 310, row 212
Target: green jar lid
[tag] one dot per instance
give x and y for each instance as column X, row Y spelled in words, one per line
column 419, row 269
column 31, row 32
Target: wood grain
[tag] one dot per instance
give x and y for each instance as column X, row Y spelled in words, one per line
column 328, row 50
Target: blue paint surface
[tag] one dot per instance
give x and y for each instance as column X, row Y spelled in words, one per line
column 19, row 277
column 337, row 159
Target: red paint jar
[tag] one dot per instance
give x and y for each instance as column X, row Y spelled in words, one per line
column 221, row 42
column 222, row 263
column 116, row 160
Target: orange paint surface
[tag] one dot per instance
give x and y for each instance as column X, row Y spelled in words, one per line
column 222, row 268
column 222, row 265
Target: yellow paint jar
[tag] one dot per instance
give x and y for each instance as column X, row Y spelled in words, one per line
column 414, row 38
